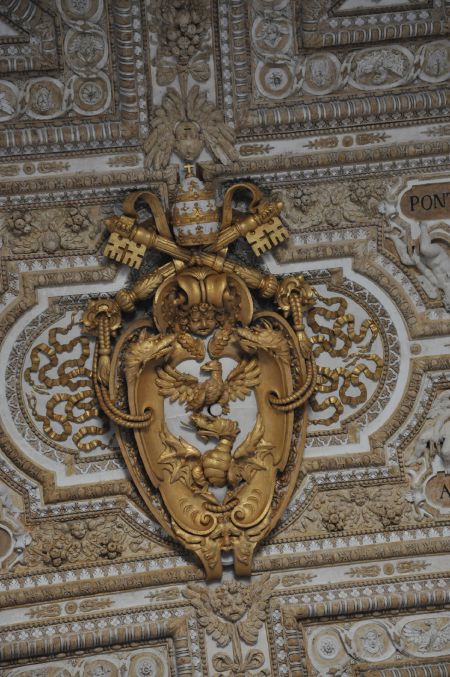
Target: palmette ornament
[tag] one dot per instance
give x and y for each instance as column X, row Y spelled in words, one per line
column 215, row 488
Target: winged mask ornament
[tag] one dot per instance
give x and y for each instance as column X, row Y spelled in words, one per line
column 208, row 394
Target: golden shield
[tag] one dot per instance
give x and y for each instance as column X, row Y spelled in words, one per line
column 222, row 500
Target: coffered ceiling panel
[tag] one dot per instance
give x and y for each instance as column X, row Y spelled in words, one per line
column 339, row 110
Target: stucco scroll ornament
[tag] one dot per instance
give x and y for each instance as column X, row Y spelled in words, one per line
column 225, row 498
column 233, row 614
column 184, row 124
column 427, row 252
column 428, row 463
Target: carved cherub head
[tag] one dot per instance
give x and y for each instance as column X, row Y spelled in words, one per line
column 202, row 319
column 231, row 600
column 197, row 302
column 188, row 141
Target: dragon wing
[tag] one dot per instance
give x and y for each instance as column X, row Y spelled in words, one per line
column 176, row 384
column 241, row 380
column 245, row 459
column 174, row 455
column 251, row 442
column 178, row 446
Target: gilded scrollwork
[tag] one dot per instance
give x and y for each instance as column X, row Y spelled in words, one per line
column 335, row 336
column 71, row 409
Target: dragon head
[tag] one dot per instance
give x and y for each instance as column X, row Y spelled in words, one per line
column 147, row 347
column 162, row 346
column 264, row 337
column 247, row 340
column 215, row 426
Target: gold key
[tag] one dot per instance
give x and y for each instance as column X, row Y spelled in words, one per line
column 124, row 250
column 267, row 235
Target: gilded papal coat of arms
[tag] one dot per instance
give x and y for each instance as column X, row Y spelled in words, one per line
column 207, row 392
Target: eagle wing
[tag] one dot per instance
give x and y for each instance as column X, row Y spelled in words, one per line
column 241, row 380
column 177, row 385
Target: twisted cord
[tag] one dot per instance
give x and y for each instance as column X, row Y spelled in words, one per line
column 300, row 396
column 120, row 417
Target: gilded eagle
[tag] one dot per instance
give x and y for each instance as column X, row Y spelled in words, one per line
column 188, row 390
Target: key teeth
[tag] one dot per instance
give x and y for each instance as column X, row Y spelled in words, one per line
column 132, row 261
column 278, row 237
column 267, row 235
column 123, row 250
column 260, row 247
column 112, row 253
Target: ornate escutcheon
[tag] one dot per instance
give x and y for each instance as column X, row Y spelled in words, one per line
column 215, row 392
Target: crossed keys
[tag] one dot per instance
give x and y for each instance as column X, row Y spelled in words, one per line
column 128, row 242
